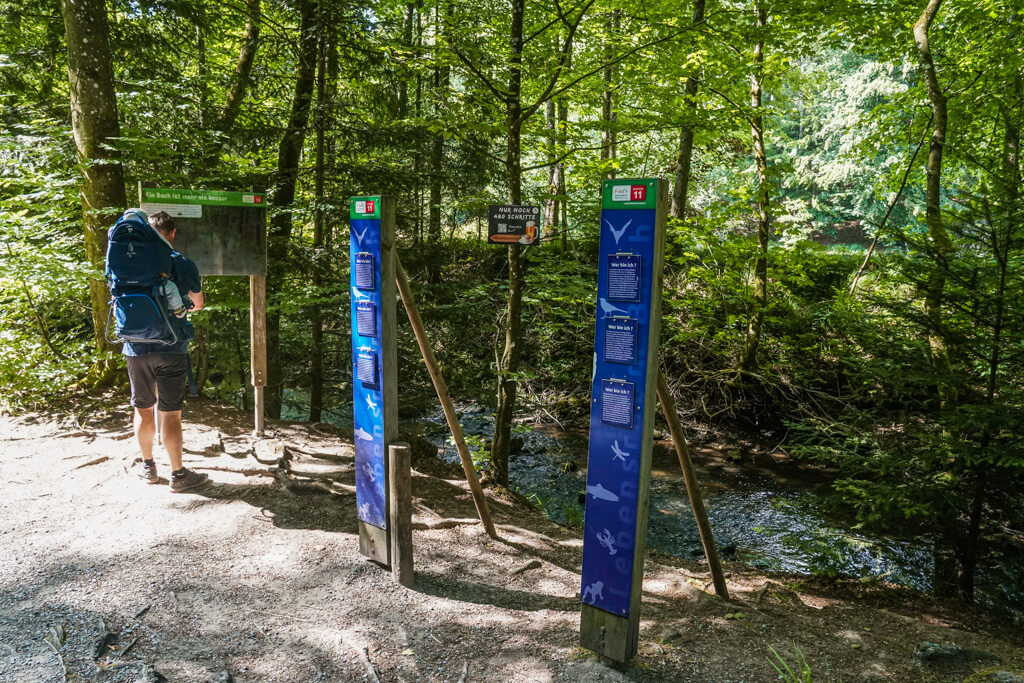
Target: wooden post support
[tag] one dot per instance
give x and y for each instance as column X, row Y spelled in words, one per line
column 400, row 512
column 258, row 345
column 441, row 387
column 700, row 514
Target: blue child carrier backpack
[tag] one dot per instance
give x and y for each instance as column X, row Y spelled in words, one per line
column 138, row 263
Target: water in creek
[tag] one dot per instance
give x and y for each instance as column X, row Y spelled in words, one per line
column 758, row 516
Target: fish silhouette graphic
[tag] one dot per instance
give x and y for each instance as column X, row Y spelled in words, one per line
column 599, row 492
column 617, row 234
column 363, row 434
column 618, row 453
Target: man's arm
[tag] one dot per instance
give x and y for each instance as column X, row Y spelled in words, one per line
column 191, row 282
column 198, row 299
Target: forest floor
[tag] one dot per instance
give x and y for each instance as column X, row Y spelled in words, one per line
column 258, row 577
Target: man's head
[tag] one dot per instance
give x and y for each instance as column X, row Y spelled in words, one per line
column 164, row 224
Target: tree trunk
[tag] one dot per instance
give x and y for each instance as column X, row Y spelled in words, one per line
column 551, row 204
column 563, row 134
column 316, row 343
column 202, row 73
column 441, row 81
column 95, row 126
column 941, row 243
column 509, row 362
column 748, row 361
column 280, row 230
column 403, row 83
column 608, row 113
column 239, row 81
column 686, row 132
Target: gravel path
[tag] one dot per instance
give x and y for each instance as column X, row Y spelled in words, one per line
column 258, row 578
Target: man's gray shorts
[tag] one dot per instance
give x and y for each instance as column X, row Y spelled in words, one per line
column 163, row 372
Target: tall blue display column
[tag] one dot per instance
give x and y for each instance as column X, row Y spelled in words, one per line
column 623, row 403
column 374, row 361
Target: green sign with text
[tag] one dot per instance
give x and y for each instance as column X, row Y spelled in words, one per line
column 364, row 207
column 157, row 195
column 629, row 194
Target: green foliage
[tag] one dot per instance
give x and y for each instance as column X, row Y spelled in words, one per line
column 843, row 380
column 45, row 325
column 786, row 673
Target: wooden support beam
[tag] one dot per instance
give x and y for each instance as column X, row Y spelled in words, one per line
column 446, row 402
column 700, row 514
column 400, row 512
column 258, row 345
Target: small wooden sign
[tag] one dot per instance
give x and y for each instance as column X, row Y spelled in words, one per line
column 513, row 224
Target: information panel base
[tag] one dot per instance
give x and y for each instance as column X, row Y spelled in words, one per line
column 375, row 412
column 623, row 403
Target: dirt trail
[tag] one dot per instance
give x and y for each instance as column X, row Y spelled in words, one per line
column 257, row 577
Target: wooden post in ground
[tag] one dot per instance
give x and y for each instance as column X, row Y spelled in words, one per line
column 400, row 512
column 700, row 514
column 258, row 345
column 446, row 402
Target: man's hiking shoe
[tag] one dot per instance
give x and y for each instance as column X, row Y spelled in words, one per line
column 187, row 480
column 146, row 471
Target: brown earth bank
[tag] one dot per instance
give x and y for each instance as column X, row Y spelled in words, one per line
column 257, row 577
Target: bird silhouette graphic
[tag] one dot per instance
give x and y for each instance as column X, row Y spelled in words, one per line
column 617, row 234
column 609, row 309
column 360, row 295
column 361, row 235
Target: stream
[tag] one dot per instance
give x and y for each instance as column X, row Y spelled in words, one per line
column 760, row 514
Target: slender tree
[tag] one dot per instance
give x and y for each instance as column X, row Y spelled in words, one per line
column 748, row 359
column 95, row 125
column 941, row 243
column 684, row 156
column 283, row 196
column 240, row 81
column 316, row 344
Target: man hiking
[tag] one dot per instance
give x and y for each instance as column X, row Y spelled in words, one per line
column 159, row 374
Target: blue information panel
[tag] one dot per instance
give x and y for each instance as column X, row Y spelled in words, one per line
column 364, row 273
column 621, row 341
column 624, row 277
column 367, row 413
column 366, row 319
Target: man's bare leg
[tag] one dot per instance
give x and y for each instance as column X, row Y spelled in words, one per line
column 145, row 430
column 170, row 430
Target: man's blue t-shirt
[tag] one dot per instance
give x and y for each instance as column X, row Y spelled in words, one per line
column 185, row 275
